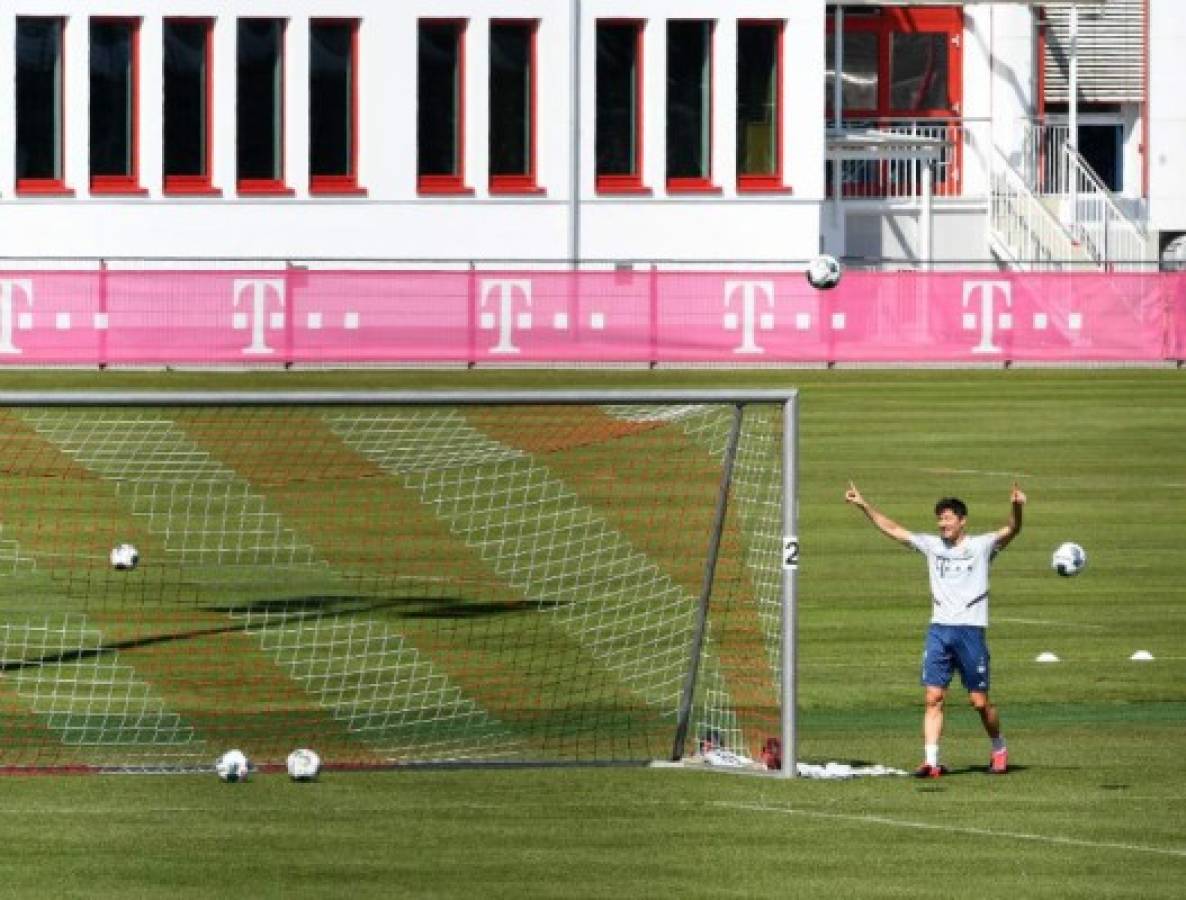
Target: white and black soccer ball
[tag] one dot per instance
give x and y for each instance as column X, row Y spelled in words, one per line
column 233, row 766
column 823, row 272
column 124, row 557
column 1068, row 559
column 303, row 764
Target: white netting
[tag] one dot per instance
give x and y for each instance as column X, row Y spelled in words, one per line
column 383, row 690
column 538, row 535
column 82, row 692
column 206, row 514
column 391, row 584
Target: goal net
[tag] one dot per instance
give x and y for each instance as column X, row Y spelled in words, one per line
column 393, row 578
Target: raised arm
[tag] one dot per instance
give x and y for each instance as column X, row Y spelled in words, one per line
column 1012, row 528
column 880, row 520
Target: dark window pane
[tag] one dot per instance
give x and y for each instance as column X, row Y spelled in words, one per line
column 439, row 97
column 510, row 98
column 757, row 98
column 918, row 72
column 331, row 98
column 689, row 96
column 185, row 89
column 39, row 98
column 860, row 70
column 260, row 113
column 617, row 99
column 112, row 84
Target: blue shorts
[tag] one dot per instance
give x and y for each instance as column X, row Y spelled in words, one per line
column 951, row 647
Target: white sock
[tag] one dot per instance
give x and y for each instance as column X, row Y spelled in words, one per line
column 998, row 743
column 931, row 754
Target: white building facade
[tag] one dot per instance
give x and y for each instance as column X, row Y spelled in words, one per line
column 524, row 130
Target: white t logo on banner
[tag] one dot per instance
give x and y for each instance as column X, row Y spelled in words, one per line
column 8, row 290
column 256, row 318
column 750, row 320
column 504, row 319
column 987, row 313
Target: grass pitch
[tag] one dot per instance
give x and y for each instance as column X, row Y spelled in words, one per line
column 1096, row 805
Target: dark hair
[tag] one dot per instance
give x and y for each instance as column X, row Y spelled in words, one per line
column 955, row 504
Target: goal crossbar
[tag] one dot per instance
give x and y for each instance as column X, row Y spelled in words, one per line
column 394, row 398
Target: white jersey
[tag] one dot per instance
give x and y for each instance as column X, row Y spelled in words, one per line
column 959, row 577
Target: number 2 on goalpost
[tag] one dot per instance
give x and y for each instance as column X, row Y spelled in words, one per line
column 790, row 553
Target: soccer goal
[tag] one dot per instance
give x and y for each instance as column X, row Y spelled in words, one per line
column 396, row 578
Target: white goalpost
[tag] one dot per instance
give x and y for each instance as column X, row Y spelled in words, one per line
column 598, row 577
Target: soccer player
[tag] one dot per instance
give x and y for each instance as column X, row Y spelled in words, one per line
column 958, row 563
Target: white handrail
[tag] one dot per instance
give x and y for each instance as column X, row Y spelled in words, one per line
column 1108, row 235
column 1053, row 167
column 1022, row 227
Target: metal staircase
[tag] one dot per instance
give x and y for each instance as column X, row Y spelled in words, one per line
column 1022, row 230
column 1057, row 213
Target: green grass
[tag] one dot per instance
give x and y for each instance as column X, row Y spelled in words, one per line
column 1096, row 806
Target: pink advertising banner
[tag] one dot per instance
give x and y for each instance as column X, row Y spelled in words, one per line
column 301, row 316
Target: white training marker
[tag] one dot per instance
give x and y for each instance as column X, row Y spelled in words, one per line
column 1142, row 656
column 1046, row 656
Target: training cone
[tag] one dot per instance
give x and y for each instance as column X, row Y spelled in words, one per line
column 1046, row 656
column 1142, row 656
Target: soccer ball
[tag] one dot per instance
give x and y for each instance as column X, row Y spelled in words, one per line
column 124, row 556
column 303, row 765
column 1069, row 559
column 823, row 272
column 233, row 766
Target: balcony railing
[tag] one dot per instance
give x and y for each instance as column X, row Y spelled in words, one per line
column 902, row 177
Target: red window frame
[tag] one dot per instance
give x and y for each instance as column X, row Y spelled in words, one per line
column 630, row 183
column 271, row 186
column 454, row 182
column 526, row 183
column 892, row 20
column 52, row 186
column 704, row 185
column 348, row 183
column 130, row 183
column 775, row 181
column 198, row 184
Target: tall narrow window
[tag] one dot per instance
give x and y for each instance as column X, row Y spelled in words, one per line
column 259, row 117
column 333, row 105
column 619, row 106
column 759, row 106
column 512, row 107
column 39, row 106
column 186, row 155
column 440, row 119
column 689, row 105
column 114, row 107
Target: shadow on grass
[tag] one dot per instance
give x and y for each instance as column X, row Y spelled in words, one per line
column 978, row 771
column 281, row 612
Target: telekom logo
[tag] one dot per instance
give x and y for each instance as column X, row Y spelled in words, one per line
column 988, row 316
column 503, row 316
column 10, row 288
column 257, row 291
column 752, row 293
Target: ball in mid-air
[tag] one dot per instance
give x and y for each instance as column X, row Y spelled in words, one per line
column 124, row 557
column 823, row 272
column 303, row 765
column 233, row 766
column 1068, row 559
